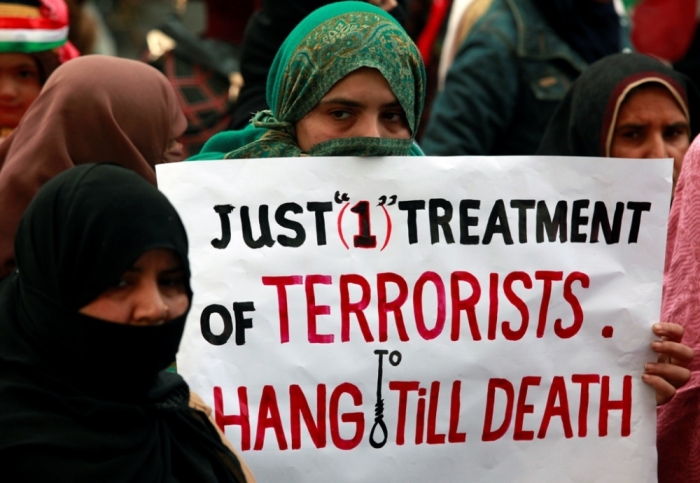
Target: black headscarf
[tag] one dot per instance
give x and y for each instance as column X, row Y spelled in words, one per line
column 589, row 27
column 583, row 123
column 82, row 399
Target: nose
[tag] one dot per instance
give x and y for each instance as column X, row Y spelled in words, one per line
column 656, row 147
column 149, row 307
column 368, row 127
column 8, row 89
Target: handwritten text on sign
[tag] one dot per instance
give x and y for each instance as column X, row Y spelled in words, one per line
column 363, row 319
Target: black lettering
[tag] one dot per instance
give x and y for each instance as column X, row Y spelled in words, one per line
column 578, row 220
column 265, row 236
column 319, row 208
column 637, row 208
column 465, row 221
column 522, row 206
column 239, row 310
column 498, row 223
column 551, row 224
column 601, row 220
column 205, row 325
column 295, row 226
column 223, row 211
column 412, row 206
column 440, row 221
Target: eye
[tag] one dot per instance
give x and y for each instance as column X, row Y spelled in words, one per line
column 394, row 116
column 27, row 74
column 174, row 281
column 121, row 283
column 340, row 115
column 631, row 134
column 674, row 132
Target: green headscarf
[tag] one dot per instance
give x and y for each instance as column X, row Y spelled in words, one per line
column 329, row 44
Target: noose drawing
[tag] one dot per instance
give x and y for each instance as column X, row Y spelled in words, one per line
column 394, row 360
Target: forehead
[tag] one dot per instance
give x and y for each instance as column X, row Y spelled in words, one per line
column 362, row 84
column 16, row 59
column 652, row 99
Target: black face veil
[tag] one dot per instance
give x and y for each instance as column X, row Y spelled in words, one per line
column 78, row 395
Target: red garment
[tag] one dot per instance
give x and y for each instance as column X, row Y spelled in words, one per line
column 226, row 19
column 664, row 28
column 678, row 439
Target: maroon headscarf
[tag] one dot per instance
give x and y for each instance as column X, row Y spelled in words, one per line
column 92, row 109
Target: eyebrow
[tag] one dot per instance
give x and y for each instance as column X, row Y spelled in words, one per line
column 343, row 101
column 168, row 271
column 632, row 125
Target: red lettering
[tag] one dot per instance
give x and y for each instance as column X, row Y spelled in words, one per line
column 566, row 333
column 403, row 387
column 468, row 304
column 269, row 417
column 356, row 418
column 488, row 433
column 429, row 334
column 384, row 307
column 433, row 436
column 585, row 380
column 522, row 408
column 420, row 416
column 453, row 435
column 313, row 310
column 281, row 283
column 518, row 303
column 547, row 277
column 557, row 392
column 347, row 307
column 299, row 408
column 624, row 405
column 222, row 420
column 493, row 306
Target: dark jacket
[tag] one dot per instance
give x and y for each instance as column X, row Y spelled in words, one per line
column 506, row 81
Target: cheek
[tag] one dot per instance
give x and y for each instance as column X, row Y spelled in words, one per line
column 177, row 304
column 622, row 149
column 30, row 92
column 313, row 130
column 105, row 308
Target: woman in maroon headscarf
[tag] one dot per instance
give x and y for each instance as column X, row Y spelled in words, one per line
column 92, row 109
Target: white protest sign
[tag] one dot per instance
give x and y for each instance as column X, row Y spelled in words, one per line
column 426, row 319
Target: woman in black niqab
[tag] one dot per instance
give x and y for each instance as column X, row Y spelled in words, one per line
column 83, row 399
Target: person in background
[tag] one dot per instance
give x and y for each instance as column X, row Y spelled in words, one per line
column 678, row 427
column 92, row 109
column 515, row 64
column 264, row 35
column 626, row 106
column 34, row 43
column 88, row 324
column 361, row 96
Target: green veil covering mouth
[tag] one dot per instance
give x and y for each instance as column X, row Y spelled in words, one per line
column 326, row 46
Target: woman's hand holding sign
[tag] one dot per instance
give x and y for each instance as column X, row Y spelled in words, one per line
column 670, row 372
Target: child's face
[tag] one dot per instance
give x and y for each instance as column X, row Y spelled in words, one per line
column 20, row 85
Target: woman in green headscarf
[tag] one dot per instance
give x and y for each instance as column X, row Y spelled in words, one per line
column 348, row 81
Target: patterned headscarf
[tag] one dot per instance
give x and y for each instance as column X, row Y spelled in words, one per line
column 326, row 46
